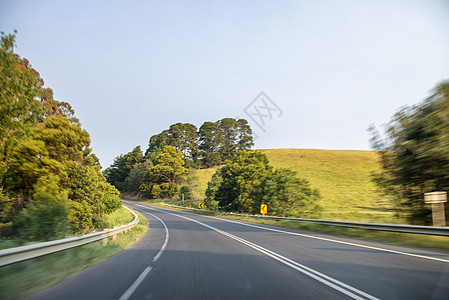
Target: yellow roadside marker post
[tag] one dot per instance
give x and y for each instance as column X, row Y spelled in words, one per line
column 263, row 209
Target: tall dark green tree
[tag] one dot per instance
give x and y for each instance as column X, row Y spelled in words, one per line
column 163, row 178
column 184, row 138
column 181, row 136
column 245, row 135
column 209, row 140
column 157, row 143
column 236, row 136
column 211, row 145
column 134, row 179
column 243, row 179
column 117, row 173
column 229, row 132
column 415, row 154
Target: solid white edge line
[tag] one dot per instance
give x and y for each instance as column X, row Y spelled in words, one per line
column 295, row 265
column 330, row 240
column 128, row 293
column 336, row 241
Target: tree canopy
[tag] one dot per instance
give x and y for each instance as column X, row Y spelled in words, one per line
column 415, row 154
column 211, row 145
column 247, row 180
column 162, row 179
column 48, row 174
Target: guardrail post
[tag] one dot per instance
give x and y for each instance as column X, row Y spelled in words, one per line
column 114, row 237
column 105, row 241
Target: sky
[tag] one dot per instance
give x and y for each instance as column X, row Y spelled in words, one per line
column 327, row 69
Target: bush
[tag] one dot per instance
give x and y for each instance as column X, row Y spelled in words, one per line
column 99, row 223
column 43, row 223
column 80, row 216
column 186, row 191
column 111, row 198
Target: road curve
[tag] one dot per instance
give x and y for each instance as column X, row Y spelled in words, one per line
column 189, row 256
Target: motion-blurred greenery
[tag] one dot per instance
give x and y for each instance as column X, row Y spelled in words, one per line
column 27, row 278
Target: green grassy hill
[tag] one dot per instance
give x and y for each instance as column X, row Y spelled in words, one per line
column 342, row 176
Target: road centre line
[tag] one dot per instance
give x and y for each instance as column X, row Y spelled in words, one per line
column 331, row 240
column 128, row 293
column 166, row 239
column 329, row 281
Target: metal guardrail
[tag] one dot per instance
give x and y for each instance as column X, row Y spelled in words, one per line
column 17, row 254
column 415, row 229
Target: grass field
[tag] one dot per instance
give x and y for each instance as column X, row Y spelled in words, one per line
column 342, row 176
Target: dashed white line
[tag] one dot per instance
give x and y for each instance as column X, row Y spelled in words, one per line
column 166, row 239
column 128, row 293
column 329, row 281
column 136, row 283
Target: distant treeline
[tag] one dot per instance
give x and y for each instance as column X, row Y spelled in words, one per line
column 50, row 182
column 210, row 145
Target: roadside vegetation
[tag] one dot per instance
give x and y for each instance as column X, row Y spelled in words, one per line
column 343, row 178
column 50, row 181
column 414, row 152
column 425, row 241
column 51, row 186
column 24, row 279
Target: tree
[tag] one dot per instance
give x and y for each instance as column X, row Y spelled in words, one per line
column 19, row 86
column 23, row 99
column 134, row 179
column 289, row 196
column 245, row 135
column 242, row 182
column 209, row 139
column 236, row 136
column 212, row 188
column 184, row 138
column 181, row 136
column 47, row 171
column 228, row 128
column 247, row 181
column 122, row 166
column 415, row 154
column 210, row 146
column 162, row 179
column 157, row 143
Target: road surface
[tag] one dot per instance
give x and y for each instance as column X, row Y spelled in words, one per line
column 189, row 256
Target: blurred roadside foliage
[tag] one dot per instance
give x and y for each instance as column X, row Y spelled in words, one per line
column 247, row 181
column 50, row 182
column 415, row 154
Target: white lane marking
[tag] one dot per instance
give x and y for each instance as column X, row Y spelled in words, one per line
column 331, row 240
column 339, row 242
column 329, row 281
column 136, row 284
column 166, row 239
column 128, row 293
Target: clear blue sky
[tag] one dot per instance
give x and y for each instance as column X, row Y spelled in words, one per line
column 132, row 68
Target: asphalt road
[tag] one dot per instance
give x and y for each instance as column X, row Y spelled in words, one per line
column 188, row 256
